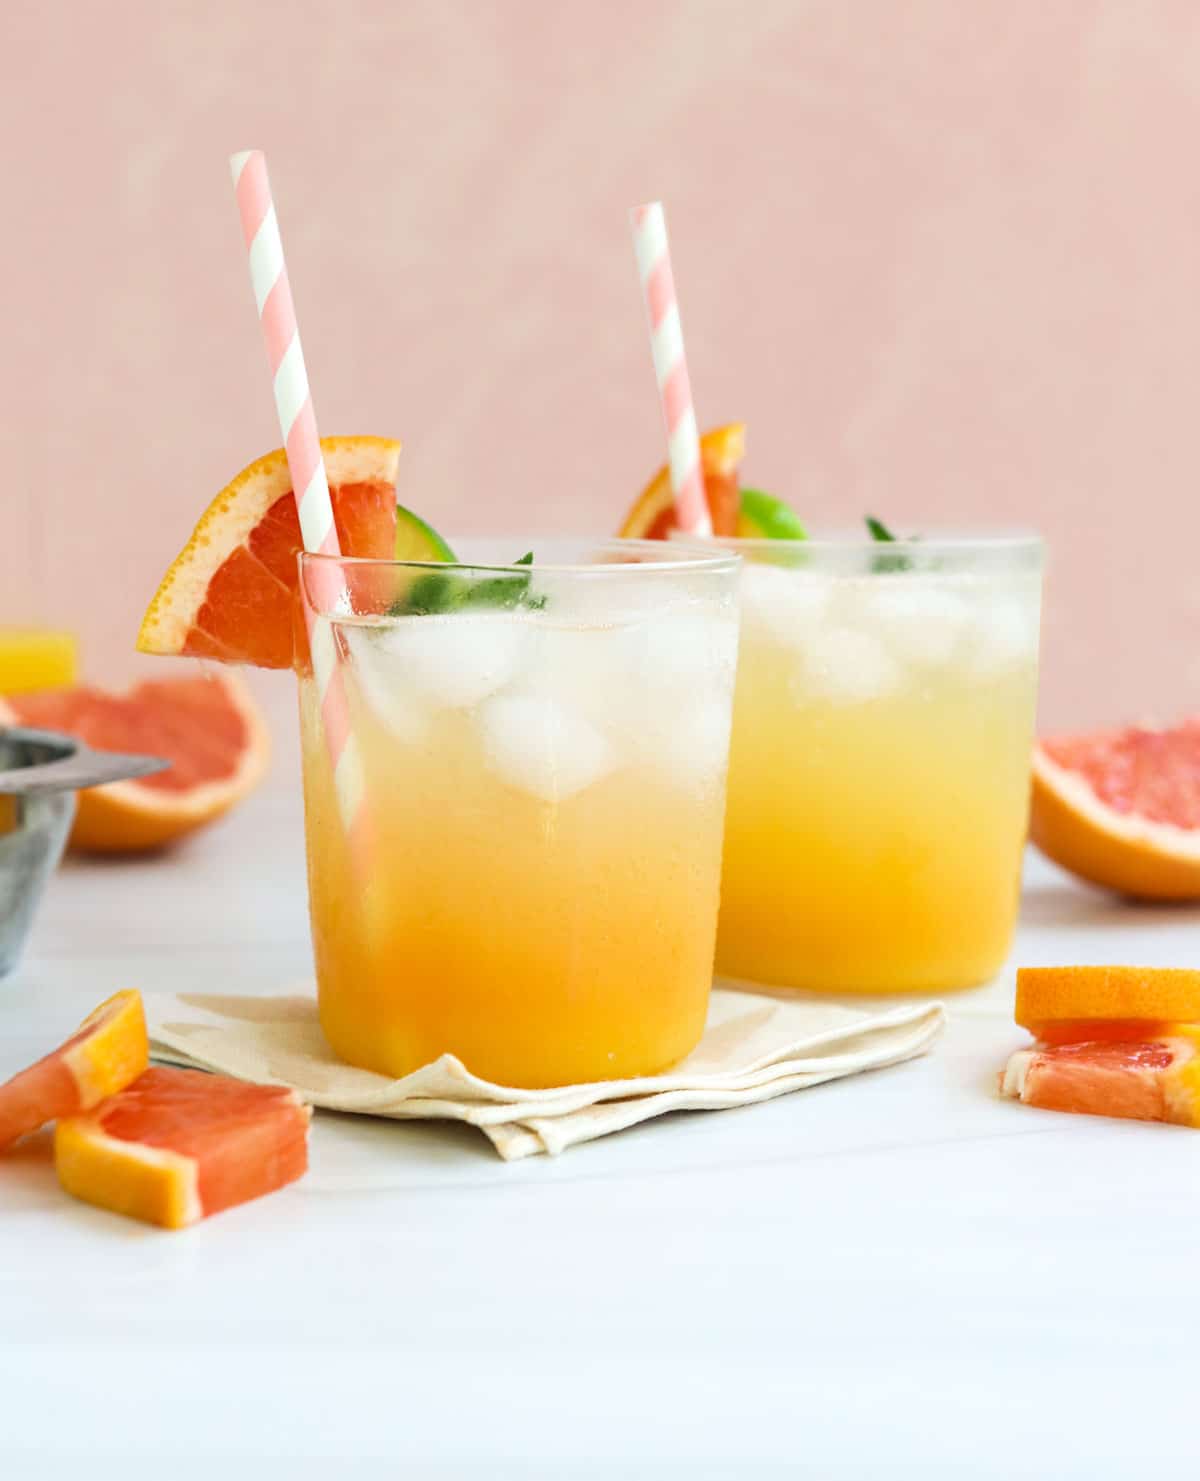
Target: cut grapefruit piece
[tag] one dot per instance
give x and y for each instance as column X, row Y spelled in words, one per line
column 179, row 1145
column 1066, row 1004
column 1155, row 1077
column 107, row 1052
column 229, row 595
column 652, row 516
column 1121, row 809
column 206, row 725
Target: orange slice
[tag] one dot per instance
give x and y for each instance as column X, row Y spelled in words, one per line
column 1152, row 1078
column 1122, row 809
column 1071, row 1003
column 229, row 595
column 109, row 1051
column 206, row 725
column 179, row 1145
column 652, row 516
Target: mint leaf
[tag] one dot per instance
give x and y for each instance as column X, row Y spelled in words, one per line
column 431, row 592
column 884, row 563
column 500, row 591
column 435, row 592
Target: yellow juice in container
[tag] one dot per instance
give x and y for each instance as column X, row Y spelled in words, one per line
column 542, row 779
column 879, row 771
column 36, row 658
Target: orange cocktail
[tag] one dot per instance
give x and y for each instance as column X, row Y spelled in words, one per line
column 534, row 886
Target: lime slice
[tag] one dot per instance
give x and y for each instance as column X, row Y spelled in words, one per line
column 417, row 541
column 764, row 517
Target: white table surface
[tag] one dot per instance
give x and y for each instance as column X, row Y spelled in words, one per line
column 896, row 1275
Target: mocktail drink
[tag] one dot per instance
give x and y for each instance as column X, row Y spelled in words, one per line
column 534, row 888
column 879, row 771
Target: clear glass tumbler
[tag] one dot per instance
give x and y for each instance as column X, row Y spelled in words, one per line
column 530, row 880
column 879, row 770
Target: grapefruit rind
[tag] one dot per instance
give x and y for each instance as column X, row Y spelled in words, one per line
column 115, row 1051
column 107, row 1052
column 152, row 1184
column 1125, row 852
column 178, row 1145
column 1152, row 996
column 130, row 817
column 231, row 518
column 721, row 453
column 127, row 817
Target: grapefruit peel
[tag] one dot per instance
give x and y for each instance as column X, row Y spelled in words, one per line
column 652, row 515
column 109, row 1051
column 177, row 1146
column 1123, row 849
column 173, row 718
column 1112, row 1041
column 240, row 562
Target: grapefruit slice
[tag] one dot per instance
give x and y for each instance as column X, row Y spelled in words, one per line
column 229, row 594
column 1069, row 1004
column 1121, row 809
column 179, row 1145
column 1155, row 1077
column 108, row 1052
column 652, row 516
column 206, row 725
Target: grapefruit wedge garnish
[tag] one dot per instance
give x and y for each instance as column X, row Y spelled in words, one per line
column 108, row 1052
column 1121, row 808
column 179, row 1145
column 206, row 725
column 229, row 594
column 1112, row 1041
column 652, row 516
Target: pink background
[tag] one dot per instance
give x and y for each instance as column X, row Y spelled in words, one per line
column 943, row 257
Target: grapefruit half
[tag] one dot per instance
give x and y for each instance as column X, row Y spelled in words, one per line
column 107, row 1052
column 206, row 725
column 1121, row 809
column 653, row 517
column 229, row 594
column 179, row 1145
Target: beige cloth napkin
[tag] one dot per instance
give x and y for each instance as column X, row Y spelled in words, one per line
column 753, row 1048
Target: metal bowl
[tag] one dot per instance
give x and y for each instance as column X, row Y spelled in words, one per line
column 40, row 772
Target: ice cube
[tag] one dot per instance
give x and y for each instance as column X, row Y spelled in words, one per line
column 383, row 684
column 542, row 746
column 680, row 652
column 452, row 662
column 693, row 749
column 846, row 666
column 920, row 622
column 783, row 603
column 1007, row 633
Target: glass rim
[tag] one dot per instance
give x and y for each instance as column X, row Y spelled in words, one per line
column 684, row 560
column 1017, row 541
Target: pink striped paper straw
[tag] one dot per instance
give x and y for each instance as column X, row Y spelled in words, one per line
column 653, row 254
column 298, row 427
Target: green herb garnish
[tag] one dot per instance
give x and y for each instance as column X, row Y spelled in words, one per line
column 893, row 561
column 435, row 592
